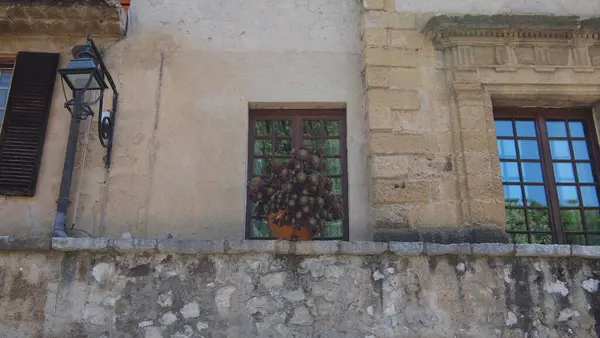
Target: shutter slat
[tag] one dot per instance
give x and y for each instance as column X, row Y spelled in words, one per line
column 25, row 121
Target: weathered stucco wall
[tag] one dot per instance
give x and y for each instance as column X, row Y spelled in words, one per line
column 187, row 72
column 145, row 288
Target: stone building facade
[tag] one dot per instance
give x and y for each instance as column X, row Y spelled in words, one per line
column 417, row 85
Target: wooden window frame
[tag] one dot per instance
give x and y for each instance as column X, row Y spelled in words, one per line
column 296, row 116
column 540, row 116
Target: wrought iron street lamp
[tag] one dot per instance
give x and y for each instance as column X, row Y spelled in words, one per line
column 86, row 73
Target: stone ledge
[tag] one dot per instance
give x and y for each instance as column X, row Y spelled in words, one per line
column 303, row 248
column 25, row 244
column 433, row 249
column 474, row 234
column 540, row 250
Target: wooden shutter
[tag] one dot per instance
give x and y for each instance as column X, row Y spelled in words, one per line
column 25, row 120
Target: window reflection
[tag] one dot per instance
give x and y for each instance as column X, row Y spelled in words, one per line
column 556, row 128
column 503, row 128
column 525, row 128
column 567, row 196
column 560, row 150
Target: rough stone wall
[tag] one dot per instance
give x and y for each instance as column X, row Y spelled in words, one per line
column 413, row 170
column 145, row 288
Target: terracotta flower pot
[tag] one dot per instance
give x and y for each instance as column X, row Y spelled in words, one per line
column 286, row 231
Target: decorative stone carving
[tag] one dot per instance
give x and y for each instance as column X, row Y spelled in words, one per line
column 506, row 59
column 542, row 59
column 542, row 42
column 580, row 59
column 463, row 57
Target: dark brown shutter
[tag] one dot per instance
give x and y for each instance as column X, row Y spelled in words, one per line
column 25, row 120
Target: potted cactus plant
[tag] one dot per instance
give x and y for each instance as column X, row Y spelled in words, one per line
column 296, row 196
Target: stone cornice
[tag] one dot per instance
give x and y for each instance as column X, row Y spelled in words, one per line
column 97, row 18
column 539, row 27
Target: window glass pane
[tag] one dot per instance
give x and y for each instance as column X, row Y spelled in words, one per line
column 3, row 97
column 332, row 147
column 5, row 77
column 283, row 147
column 567, row 196
column 263, row 147
column 594, row 239
column 589, row 196
column 332, row 128
column 525, row 128
column 556, row 129
column 584, row 173
column 506, row 149
column 504, row 128
column 1, row 116
column 260, row 228
column 538, row 220
column 528, row 150
column 541, row 238
column 519, row 238
column 282, row 159
column 592, row 220
column 337, row 186
column 513, row 195
column 576, row 129
column 283, row 128
column 536, row 195
column 260, row 166
column 311, row 128
column 576, row 239
column 263, row 128
column 532, row 172
column 333, row 229
column 515, row 220
column 509, row 171
column 560, row 150
column 563, row 172
column 571, row 220
column 581, row 150
column 334, row 166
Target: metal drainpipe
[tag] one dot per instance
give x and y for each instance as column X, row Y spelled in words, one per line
column 62, row 204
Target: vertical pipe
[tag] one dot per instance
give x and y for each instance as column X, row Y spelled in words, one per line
column 62, row 204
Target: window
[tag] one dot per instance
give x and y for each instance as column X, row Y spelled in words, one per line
column 6, row 70
column 25, row 96
column 549, row 169
column 273, row 135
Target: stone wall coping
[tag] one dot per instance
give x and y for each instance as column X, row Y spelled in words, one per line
column 302, row 248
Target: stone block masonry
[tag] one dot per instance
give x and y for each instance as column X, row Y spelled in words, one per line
column 171, row 288
column 409, row 146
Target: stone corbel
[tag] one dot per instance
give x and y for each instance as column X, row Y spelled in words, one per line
column 579, row 58
column 506, row 59
column 542, row 60
column 463, row 58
